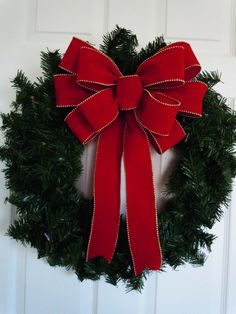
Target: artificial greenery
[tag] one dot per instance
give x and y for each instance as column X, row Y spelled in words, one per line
column 43, row 160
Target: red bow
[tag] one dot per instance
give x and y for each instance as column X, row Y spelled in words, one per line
column 127, row 113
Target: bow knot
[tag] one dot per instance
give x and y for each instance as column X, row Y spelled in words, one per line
column 129, row 92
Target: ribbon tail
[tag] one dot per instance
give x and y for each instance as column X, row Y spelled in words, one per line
column 140, row 197
column 106, row 215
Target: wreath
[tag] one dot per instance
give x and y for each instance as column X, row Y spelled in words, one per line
column 43, row 160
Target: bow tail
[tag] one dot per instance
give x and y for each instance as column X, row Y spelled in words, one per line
column 140, row 197
column 106, row 215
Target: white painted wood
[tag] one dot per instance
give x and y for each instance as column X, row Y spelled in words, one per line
column 119, row 301
column 55, row 22
column 122, row 13
column 60, row 289
column 233, row 29
column 193, row 13
column 193, row 290
column 229, row 301
column 71, row 14
column 31, row 286
column 230, row 297
column 9, row 34
column 204, row 24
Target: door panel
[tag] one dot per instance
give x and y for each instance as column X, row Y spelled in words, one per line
column 31, row 286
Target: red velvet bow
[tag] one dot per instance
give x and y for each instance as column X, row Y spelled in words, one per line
column 126, row 112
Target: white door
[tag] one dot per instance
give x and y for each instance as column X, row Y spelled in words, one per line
column 29, row 285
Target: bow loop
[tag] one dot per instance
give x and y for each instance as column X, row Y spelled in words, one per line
column 162, row 144
column 84, row 132
column 98, row 110
column 67, row 92
column 157, row 112
column 96, row 71
column 191, row 64
column 163, row 70
column 71, row 58
column 190, row 95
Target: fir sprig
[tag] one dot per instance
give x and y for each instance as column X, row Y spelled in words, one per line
column 151, row 48
column 120, row 45
column 210, row 78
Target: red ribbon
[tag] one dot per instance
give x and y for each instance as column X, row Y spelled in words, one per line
column 127, row 113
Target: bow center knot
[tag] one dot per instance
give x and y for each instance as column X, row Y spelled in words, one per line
column 129, row 92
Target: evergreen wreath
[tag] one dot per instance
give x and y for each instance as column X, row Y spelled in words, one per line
column 43, row 159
